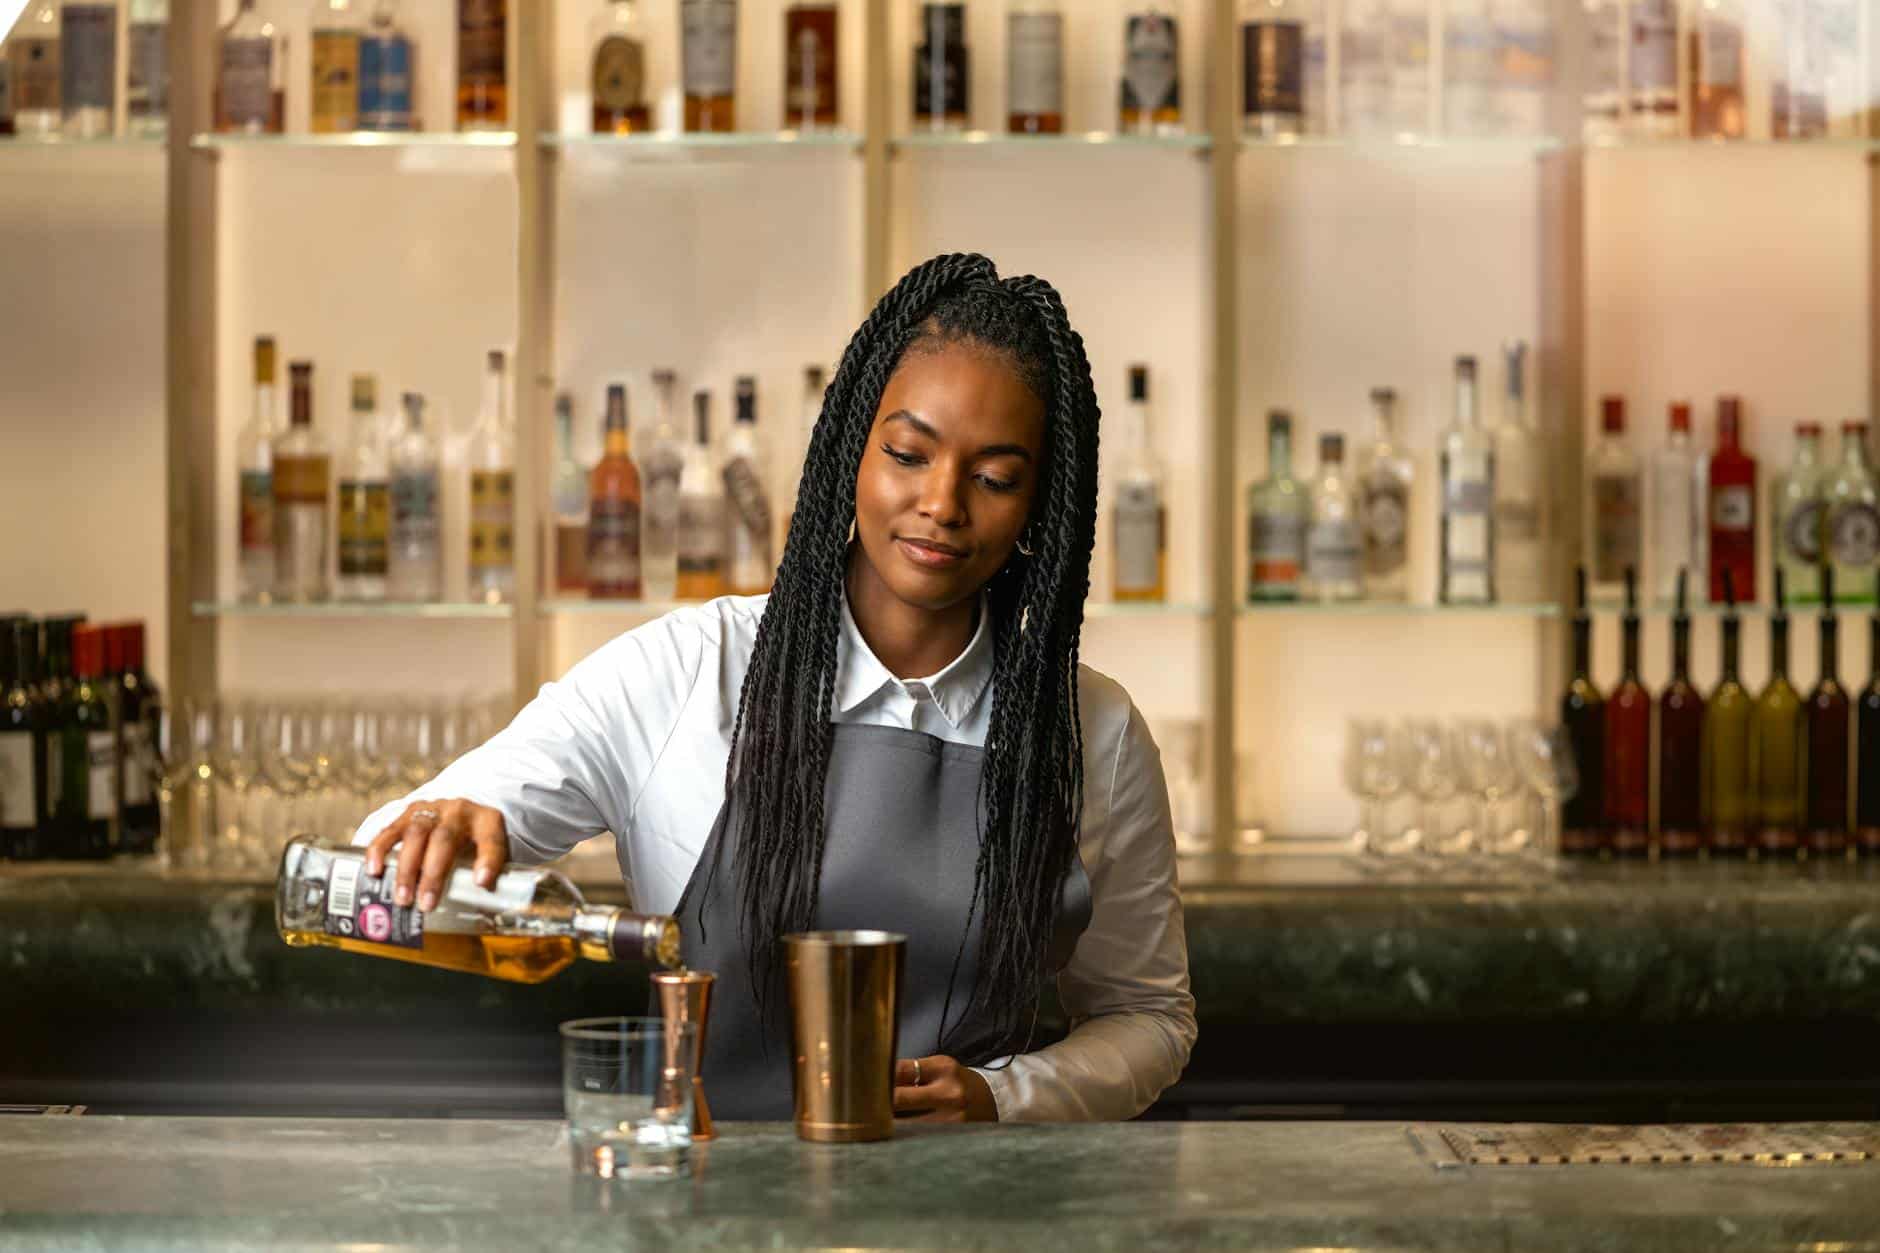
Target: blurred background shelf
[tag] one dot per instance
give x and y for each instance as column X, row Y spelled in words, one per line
column 1076, row 141
column 357, row 140
column 435, row 611
column 1394, row 609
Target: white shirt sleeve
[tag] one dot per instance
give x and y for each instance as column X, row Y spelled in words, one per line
column 1126, row 987
column 572, row 763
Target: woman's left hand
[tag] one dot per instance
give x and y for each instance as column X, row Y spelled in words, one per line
column 947, row 1092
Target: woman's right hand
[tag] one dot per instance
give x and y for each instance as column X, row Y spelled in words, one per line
column 430, row 836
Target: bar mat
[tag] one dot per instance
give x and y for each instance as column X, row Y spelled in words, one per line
column 1449, row 1146
column 54, row 1111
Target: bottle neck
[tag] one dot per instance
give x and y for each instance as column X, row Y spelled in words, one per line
column 1629, row 665
column 1681, row 649
column 1779, row 648
column 1137, row 429
column 1830, row 648
column 1583, row 649
column 1383, row 422
column 493, row 397
column 564, row 435
column 1732, row 648
column 617, row 442
column 264, row 405
column 1279, row 454
column 1466, row 415
column 1853, row 452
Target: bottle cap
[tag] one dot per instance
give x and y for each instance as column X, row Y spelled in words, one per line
column 1681, row 416
column 1332, row 447
column 414, row 408
column 495, row 360
column 747, row 399
column 134, row 646
column 1279, row 422
column 617, row 406
column 665, row 376
column 88, row 652
column 1383, row 395
column 1465, row 368
column 1612, row 413
column 813, row 377
column 1854, row 426
column 1138, row 383
column 300, row 373
column 564, row 405
column 1808, row 428
column 264, row 358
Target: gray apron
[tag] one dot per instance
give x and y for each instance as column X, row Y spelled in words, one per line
column 902, row 836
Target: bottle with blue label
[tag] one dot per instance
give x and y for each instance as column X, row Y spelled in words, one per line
column 387, row 72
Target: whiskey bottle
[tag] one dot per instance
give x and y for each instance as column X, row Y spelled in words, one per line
column 23, row 726
column 1273, row 67
column 1466, row 551
column 334, row 57
column 364, row 499
column 709, row 56
column 33, row 66
column 942, row 70
column 482, row 65
column 1152, row 83
column 618, row 78
column 387, row 72
column 1139, row 516
column 493, row 491
column 147, row 74
column 614, row 500
column 528, row 927
column 1034, row 67
column 1718, row 70
column 88, row 68
column 701, row 513
column 254, row 470
column 1521, row 506
column 569, row 491
column 1386, row 481
column 414, row 564
column 251, row 73
column 302, row 476
column 810, row 73
column 1279, row 510
column 660, row 470
column 750, row 562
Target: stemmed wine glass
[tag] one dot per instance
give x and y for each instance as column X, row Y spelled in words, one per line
column 238, row 764
column 1374, row 773
column 1544, row 757
column 1490, row 775
column 1430, row 766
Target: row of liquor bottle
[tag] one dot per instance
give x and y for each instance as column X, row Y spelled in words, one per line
column 1702, row 512
column 78, row 740
column 1345, row 534
column 59, row 67
column 1775, row 775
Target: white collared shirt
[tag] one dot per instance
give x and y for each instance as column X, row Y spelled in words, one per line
column 635, row 738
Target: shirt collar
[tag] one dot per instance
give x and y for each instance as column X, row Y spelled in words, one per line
column 956, row 688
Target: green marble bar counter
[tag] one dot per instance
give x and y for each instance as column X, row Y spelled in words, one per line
column 318, row 1184
column 1643, row 993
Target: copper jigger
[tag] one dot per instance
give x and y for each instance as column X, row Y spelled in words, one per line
column 686, row 996
column 845, row 1001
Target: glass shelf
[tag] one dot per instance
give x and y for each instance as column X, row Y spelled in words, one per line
column 1682, row 144
column 655, row 608
column 667, row 144
column 355, row 609
column 1142, row 609
column 1515, row 145
column 1665, row 609
column 360, row 139
column 107, row 143
column 1394, row 609
column 1074, row 141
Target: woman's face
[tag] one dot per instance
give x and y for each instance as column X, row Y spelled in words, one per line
column 947, row 480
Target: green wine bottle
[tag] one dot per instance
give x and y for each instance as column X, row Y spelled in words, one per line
column 1728, row 782
column 1777, row 746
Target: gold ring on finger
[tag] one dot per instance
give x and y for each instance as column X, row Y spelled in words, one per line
column 429, row 815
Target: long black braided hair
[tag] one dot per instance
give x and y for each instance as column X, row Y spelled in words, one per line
column 1032, row 777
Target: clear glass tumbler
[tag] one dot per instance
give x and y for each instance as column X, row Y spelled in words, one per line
column 626, row 1084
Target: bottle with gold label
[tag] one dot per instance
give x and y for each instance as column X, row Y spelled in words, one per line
column 364, row 499
column 527, row 927
column 482, row 65
column 302, row 477
column 334, row 57
column 619, row 70
column 493, row 491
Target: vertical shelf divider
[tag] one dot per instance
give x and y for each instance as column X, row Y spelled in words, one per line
column 1224, row 407
column 877, row 191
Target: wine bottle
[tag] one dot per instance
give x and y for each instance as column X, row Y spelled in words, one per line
column 23, row 721
column 85, row 795
column 1729, row 799
column 529, row 926
column 1680, row 744
column 1867, row 753
column 1776, row 745
column 1826, row 744
column 1628, row 743
column 1583, row 715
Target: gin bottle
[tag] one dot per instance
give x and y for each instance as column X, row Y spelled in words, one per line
column 415, row 566
column 751, row 561
column 302, row 480
column 661, row 469
column 1675, row 515
column 1466, row 553
column 364, row 499
column 1279, row 510
column 1386, row 479
column 701, row 513
column 1801, row 517
column 493, row 491
column 528, row 926
column 1138, row 517
column 1853, row 519
column 1521, row 507
column 1614, row 512
column 1333, row 544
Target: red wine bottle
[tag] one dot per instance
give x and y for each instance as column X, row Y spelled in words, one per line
column 1867, row 753
column 1628, row 743
column 1680, row 744
column 1825, row 834
column 1583, row 716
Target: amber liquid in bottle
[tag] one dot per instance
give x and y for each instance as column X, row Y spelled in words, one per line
column 1825, row 834
column 1628, row 744
column 1583, row 715
column 709, row 52
column 1867, row 755
column 518, row 959
column 809, row 67
column 1717, row 75
column 1680, row 747
column 1777, row 746
column 614, row 510
column 1729, row 774
column 482, row 65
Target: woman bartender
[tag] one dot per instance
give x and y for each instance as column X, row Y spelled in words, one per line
column 900, row 736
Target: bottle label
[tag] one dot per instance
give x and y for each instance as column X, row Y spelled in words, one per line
column 1801, row 532
column 1274, row 67
column 301, row 480
column 710, row 33
column 360, row 906
column 35, row 73
column 335, row 80
column 1615, row 526
column 101, row 758
column 1279, row 548
column 809, row 84
column 571, row 545
column 1732, row 508
column 1151, row 64
column 701, row 534
column 613, row 548
column 19, row 784
column 941, row 63
column 1386, row 502
column 88, row 62
column 147, row 91
column 1720, row 53
column 482, row 42
column 1035, row 64
column 1854, row 534
column 492, row 520
column 365, row 523
column 257, row 510
column 1141, row 537
column 385, row 83
column 1654, row 54
column 1517, row 522
column 246, row 81
column 1332, row 552
column 619, row 75
column 414, row 507
column 139, row 763
column 661, row 473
